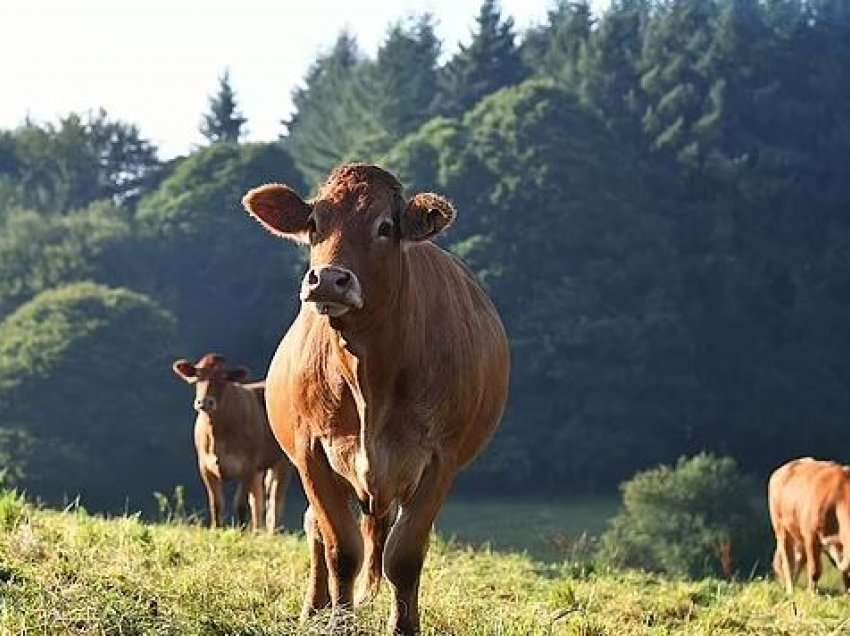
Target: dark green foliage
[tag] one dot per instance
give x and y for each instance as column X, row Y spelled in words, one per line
column 83, row 368
column 55, row 168
column 699, row 518
column 660, row 213
column 38, row 252
column 223, row 123
column 331, row 111
column 609, row 68
column 355, row 109
column 490, row 62
column 17, row 448
column 229, row 283
column 404, row 76
column 557, row 48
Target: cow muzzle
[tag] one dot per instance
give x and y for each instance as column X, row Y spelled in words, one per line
column 207, row 404
column 331, row 290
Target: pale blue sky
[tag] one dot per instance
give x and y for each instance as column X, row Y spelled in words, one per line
column 156, row 62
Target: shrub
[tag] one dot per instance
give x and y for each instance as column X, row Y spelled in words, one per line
column 84, row 372
column 699, row 518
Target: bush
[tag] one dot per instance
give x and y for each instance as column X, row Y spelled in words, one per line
column 84, row 373
column 701, row 518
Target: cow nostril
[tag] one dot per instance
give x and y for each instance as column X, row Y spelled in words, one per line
column 312, row 278
column 343, row 280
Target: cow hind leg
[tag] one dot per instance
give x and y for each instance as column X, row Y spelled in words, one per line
column 785, row 567
column 812, row 552
column 835, row 555
column 407, row 544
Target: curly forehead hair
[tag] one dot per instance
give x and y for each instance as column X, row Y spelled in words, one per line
column 355, row 180
column 211, row 360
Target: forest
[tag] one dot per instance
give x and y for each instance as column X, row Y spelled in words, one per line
column 657, row 197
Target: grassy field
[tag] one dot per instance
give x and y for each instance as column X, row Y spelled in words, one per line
column 71, row 573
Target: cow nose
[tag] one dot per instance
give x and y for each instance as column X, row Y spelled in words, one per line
column 335, row 279
column 206, row 404
column 343, row 280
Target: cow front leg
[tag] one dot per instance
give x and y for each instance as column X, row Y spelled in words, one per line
column 240, row 501
column 329, row 498
column 317, row 596
column 256, row 500
column 407, row 545
column 215, row 497
column 277, row 481
column 374, row 531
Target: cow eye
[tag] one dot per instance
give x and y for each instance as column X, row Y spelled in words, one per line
column 385, row 229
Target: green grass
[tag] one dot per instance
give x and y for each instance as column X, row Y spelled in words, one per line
column 546, row 530
column 71, row 573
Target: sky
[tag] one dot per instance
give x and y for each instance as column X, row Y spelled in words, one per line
column 155, row 63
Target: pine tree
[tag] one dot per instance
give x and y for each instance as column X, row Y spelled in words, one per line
column 223, row 122
column 674, row 78
column 556, row 48
column 405, row 76
column 490, row 62
column 609, row 73
column 333, row 110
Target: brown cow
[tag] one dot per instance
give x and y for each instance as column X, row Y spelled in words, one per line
column 233, row 441
column 810, row 510
column 392, row 378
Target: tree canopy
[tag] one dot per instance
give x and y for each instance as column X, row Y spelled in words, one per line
column 655, row 195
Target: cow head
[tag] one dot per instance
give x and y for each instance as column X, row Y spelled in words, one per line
column 209, row 376
column 356, row 228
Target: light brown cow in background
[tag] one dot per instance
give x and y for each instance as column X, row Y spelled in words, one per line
column 810, row 511
column 233, row 441
column 392, row 378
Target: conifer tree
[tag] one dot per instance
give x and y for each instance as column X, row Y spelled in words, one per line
column 223, row 122
column 405, row 76
column 490, row 62
column 332, row 110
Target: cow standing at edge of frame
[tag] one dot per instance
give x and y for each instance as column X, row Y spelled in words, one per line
column 392, row 378
column 809, row 502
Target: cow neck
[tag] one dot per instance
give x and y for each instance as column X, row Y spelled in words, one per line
column 225, row 414
column 369, row 351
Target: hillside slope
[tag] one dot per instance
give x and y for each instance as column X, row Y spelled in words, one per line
column 71, row 573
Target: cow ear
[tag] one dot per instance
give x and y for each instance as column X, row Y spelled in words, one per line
column 237, row 374
column 185, row 370
column 425, row 216
column 280, row 210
